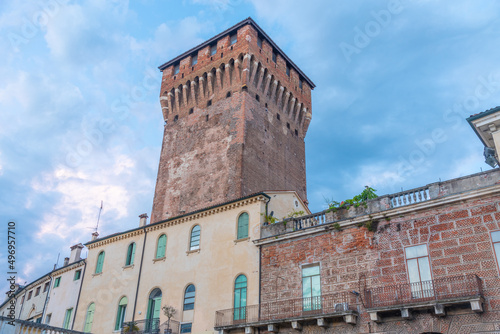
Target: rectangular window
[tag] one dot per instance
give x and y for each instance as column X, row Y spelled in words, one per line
column 57, row 281
column 78, row 274
column 46, row 287
column 300, row 84
column 186, row 328
column 38, row 320
column 495, row 237
column 311, row 288
column 194, row 60
column 38, row 291
column 213, row 50
column 29, row 294
column 259, row 42
column 288, row 71
column 176, row 69
column 47, row 318
column 234, row 39
column 67, row 318
column 419, row 271
column 274, row 56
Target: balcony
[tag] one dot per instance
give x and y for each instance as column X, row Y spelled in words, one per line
column 437, row 294
column 150, row 326
column 289, row 312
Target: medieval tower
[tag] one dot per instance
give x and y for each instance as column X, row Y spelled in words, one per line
column 236, row 113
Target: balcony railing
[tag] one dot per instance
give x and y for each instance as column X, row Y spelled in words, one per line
column 407, row 294
column 23, row 326
column 281, row 310
column 408, row 197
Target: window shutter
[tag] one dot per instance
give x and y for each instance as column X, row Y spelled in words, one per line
column 133, row 254
column 243, row 226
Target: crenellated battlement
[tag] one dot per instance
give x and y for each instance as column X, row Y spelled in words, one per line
column 236, row 112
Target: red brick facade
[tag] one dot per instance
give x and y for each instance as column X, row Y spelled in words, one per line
column 458, row 237
column 235, row 123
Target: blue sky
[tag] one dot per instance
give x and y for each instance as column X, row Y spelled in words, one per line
column 80, row 118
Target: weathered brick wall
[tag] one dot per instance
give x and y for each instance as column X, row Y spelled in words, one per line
column 234, row 122
column 458, row 237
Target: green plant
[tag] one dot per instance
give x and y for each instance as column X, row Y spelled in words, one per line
column 336, row 226
column 361, row 199
column 169, row 312
column 130, row 327
column 269, row 219
column 294, row 214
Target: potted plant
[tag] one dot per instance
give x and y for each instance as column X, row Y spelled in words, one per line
column 130, row 327
column 169, row 312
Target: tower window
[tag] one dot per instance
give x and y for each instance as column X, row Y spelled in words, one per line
column 191, row 111
column 288, row 125
column 209, row 103
column 194, row 240
column 206, row 118
column 259, row 42
column 257, row 97
column 228, row 94
column 300, row 84
column 176, row 69
column 176, row 118
column 234, row 39
column 274, row 56
column 213, row 50
column 296, row 132
column 288, row 71
column 278, row 116
column 244, row 89
column 194, row 60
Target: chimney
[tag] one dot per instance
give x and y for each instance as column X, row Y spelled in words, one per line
column 66, row 261
column 144, row 219
column 94, row 236
column 76, row 250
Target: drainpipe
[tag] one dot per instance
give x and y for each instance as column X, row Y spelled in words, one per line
column 79, row 293
column 46, row 299
column 22, row 305
column 140, row 271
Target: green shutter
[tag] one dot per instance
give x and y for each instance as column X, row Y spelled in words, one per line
column 67, row 318
column 89, row 318
column 243, row 226
column 120, row 316
column 162, row 243
column 130, row 254
column 100, row 262
column 57, row 282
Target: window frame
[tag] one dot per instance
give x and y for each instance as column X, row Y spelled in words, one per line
column 129, row 259
column 100, row 262
column 238, row 236
column 177, row 69
column 30, row 293
column 67, row 318
column 213, row 49
column 194, row 59
column 239, row 313
column 121, row 312
column 422, row 292
column 37, row 291
column 57, row 282
column 46, row 287
column 187, row 324
column 157, row 253
column 194, row 244
column 314, row 304
column 497, row 256
column 187, row 306
column 274, row 57
column 77, row 273
column 86, row 322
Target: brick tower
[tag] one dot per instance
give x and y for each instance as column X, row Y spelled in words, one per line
column 236, row 112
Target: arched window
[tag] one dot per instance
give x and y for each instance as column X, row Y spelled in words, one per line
column 89, row 318
column 120, row 315
column 100, row 262
column 243, row 226
column 240, row 297
column 195, row 238
column 130, row 254
column 162, row 245
column 189, row 297
column 154, row 308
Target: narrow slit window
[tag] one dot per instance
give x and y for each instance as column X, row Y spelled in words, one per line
column 194, row 60
column 274, row 56
column 234, row 39
column 176, row 69
column 194, row 242
column 213, row 50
